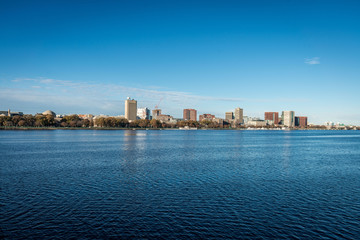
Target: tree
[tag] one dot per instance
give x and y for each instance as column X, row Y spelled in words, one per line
column 9, row 123
column 100, row 122
column 49, row 120
column 155, row 123
column 123, row 122
column 64, row 124
column 143, row 123
column 4, row 119
column 22, row 123
column 73, row 123
column 86, row 123
column 16, row 119
column 30, row 120
column 181, row 124
column 40, row 121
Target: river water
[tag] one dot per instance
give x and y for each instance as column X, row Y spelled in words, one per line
column 171, row 184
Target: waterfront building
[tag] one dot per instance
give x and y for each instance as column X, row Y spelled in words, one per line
column 130, row 109
column 166, row 119
column 331, row 124
column 274, row 116
column 229, row 115
column 219, row 121
column 206, row 116
column 239, row 115
column 288, row 118
column 10, row 114
column 49, row 112
column 156, row 113
column 269, row 122
column 301, row 121
column 257, row 123
column 143, row 113
column 190, row 114
column 85, row 116
column 247, row 119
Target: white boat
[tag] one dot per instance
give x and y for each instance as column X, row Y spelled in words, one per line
column 187, row 128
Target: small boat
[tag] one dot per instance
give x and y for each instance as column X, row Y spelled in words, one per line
column 187, row 128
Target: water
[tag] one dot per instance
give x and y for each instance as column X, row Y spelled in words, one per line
column 179, row 184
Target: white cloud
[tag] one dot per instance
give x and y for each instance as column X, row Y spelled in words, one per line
column 64, row 96
column 312, row 61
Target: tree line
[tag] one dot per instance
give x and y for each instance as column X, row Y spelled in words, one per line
column 74, row 121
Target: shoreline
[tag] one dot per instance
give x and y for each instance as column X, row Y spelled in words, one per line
column 157, row 129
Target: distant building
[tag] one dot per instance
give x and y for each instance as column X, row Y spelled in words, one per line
column 239, row 115
column 143, row 113
column 10, row 114
column 206, row 116
column 190, row 114
column 247, row 119
column 85, row 116
column 219, row 121
column 166, row 118
column 301, row 121
column 156, row 113
column 330, row 124
column 49, row 112
column 269, row 122
column 288, row 118
column 274, row 116
column 256, row 123
column 130, row 109
column 229, row 115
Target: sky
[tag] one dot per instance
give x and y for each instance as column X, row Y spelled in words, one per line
column 89, row 56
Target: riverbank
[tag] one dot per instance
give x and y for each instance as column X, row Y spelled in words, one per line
column 106, row 128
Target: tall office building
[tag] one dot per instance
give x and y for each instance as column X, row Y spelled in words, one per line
column 288, row 118
column 143, row 113
column 301, row 121
column 229, row 115
column 130, row 109
column 190, row 114
column 274, row 116
column 156, row 113
column 239, row 115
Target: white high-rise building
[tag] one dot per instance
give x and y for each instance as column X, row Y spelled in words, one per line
column 143, row 113
column 288, row 118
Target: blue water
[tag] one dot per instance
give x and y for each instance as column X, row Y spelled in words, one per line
column 179, row 184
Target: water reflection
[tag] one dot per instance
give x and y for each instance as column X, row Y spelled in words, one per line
column 178, row 184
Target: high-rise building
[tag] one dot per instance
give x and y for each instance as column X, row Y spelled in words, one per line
column 130, row 109
column 301, row 121
column 143, row 113
column 239, row 115
column 190, row 114
column 156, row 113
column 288, row 118
column 229, row 115
column 274, row 116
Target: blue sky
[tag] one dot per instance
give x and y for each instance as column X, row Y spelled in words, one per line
column 214, row 56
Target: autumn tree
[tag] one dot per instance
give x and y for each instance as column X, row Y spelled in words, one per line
column 155, row 123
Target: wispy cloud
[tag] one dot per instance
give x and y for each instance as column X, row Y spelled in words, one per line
column 65, row 95
column 312, row 61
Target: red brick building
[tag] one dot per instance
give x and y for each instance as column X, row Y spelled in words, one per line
column 301, row 121
column 274, row 116
column 190, row 114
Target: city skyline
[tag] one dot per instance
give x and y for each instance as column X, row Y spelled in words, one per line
column 210, row 56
